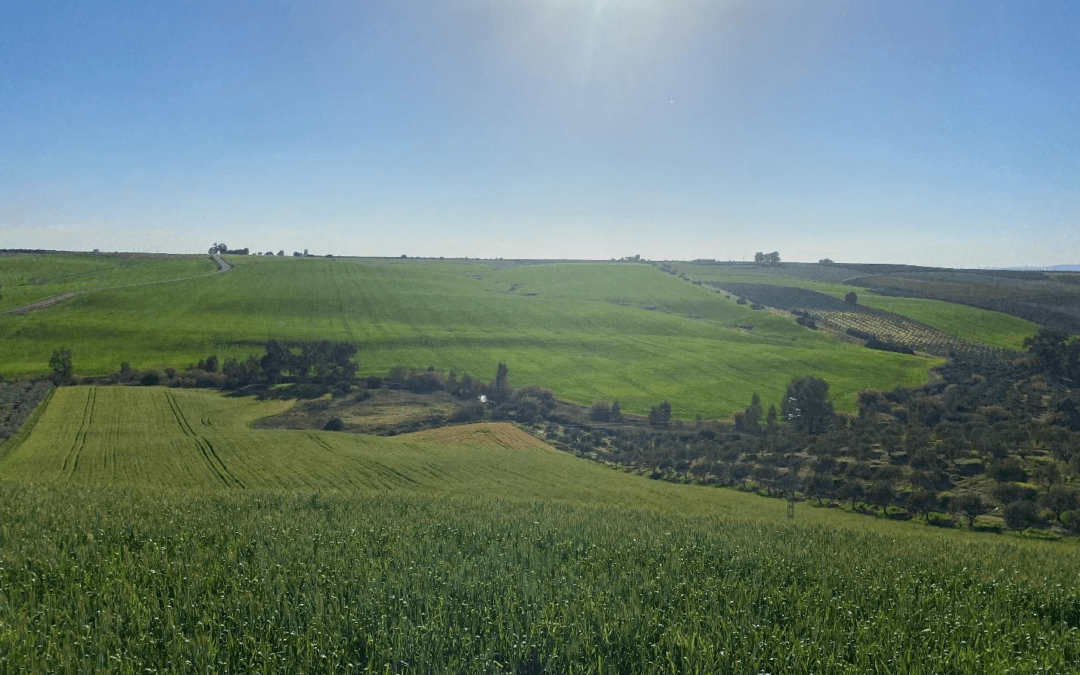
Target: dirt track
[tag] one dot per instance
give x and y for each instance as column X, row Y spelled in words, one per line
column 49, row 302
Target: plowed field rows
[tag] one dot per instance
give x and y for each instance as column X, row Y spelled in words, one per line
column 168, row 438
column 899, row 330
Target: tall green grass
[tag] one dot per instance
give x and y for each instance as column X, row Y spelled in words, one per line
column 124, row 548
column 134, row 581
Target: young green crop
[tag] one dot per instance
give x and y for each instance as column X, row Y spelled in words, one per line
column 134, row 580
column 26, row 279
column 588, row 331
column 146, row 529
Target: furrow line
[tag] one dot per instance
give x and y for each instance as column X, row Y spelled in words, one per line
column 75, row 443
column 84, row 429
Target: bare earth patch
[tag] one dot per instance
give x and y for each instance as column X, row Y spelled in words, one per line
column 482, row 435
column 380, row 412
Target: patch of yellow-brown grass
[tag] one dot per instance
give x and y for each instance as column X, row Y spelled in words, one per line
column 481, row 435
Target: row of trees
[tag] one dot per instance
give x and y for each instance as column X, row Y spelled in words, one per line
column 1011, row 419
column 224, row 249
column 767, row 258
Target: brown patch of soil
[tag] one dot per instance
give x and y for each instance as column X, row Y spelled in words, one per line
column 482, row 435
column 378, row 412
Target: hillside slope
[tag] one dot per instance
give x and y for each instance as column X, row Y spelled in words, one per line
column 587, row 331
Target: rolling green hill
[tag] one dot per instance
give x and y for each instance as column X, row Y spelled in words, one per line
column 981, row 326
column 588, row 331
column 25, row 279
column 144, row 529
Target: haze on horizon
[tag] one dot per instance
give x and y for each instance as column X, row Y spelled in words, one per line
column 918, row 132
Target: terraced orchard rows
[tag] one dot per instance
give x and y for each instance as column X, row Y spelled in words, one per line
column 885, row 326
column 899, row 330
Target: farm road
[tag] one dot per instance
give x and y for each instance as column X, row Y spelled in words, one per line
column 49, row 302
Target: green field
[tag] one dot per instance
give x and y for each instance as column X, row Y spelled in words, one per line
column 969, row 323
column 25, row 279
column 587, row 331
column 149, row 530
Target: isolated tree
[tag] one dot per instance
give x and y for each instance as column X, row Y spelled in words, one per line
column 819, row 486
column 1060, row 499
column 600, row 411
column 61, row 366
column 851, row 298
column 922, row 502
column 850, row 491
column 881, row 494
column 660, row 414
column 1021, row 514
column 499, row 390
column 970, row 505
column 759, row 257
column 1048, row 475
column 1048, row 347
column 749, row 420
column 806, row 405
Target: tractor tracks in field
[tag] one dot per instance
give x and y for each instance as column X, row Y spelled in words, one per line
column 205, row 447
column 56, row 299
column 71, row 460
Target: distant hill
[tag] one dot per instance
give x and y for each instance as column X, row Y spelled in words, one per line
column 1055, row 268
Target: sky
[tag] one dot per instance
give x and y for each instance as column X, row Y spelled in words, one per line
column 923, row 132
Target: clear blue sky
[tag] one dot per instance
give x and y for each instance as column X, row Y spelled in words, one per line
column 939, row 133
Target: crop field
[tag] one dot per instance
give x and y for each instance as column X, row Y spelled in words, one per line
column 485, row 435
column 26, row 279
column 125, row 548
column 587, row 331
column 195, row 439
column 980, row 326
column 898, row 330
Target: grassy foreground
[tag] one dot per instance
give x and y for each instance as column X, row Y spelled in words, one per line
column 586, row 331
column 345, row 554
